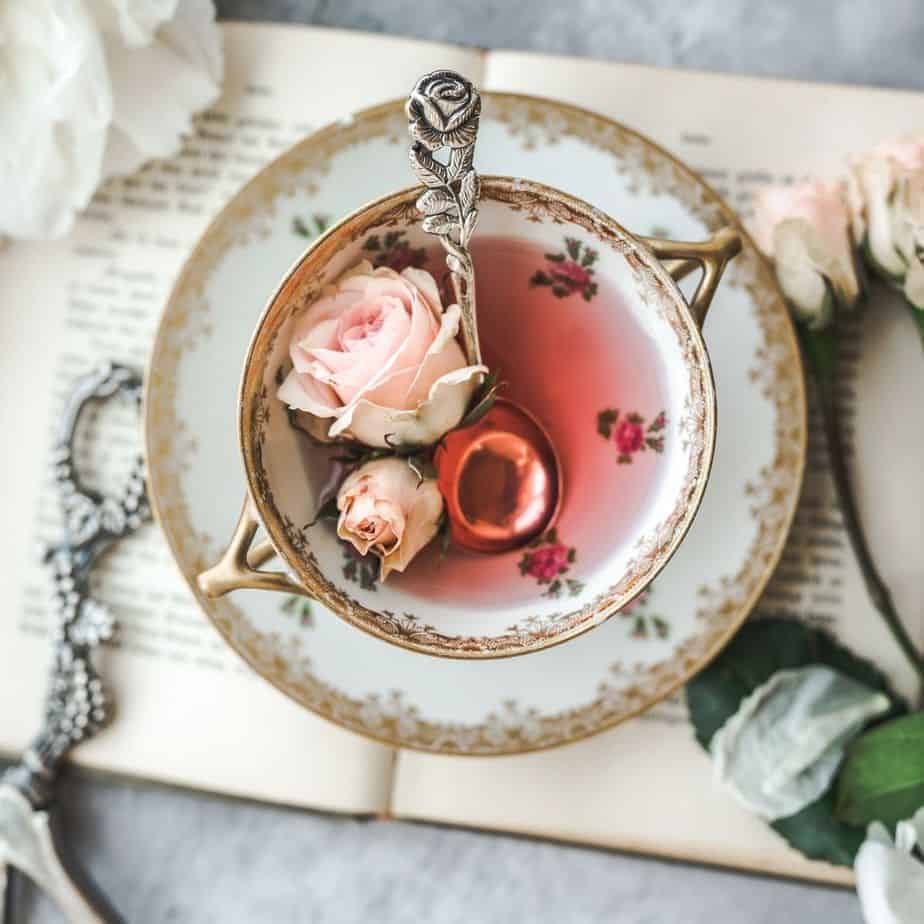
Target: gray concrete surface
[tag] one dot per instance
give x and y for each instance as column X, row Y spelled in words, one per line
column 182, row 857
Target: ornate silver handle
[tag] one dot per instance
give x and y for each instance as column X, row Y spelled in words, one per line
column 76, row 707
column 443, row 112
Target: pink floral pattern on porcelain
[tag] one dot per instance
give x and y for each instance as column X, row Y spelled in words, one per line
column 393, row 250
column 645, row 623
column 569, row 272
column 631, row 433
column 548, row 561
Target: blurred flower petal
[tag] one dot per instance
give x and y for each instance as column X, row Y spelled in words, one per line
column 780, row 751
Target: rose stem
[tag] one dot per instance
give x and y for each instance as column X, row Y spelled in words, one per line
column 917, row 315
column 821, row 350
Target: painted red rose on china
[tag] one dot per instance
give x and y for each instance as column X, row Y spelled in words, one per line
column 629, row 436
column 569, row 272
column 631, row 432
column 549, row 562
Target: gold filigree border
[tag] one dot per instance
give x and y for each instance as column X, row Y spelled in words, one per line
column 513, row 728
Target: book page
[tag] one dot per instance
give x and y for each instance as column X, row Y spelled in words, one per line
column 189, row 712
column 647, row 785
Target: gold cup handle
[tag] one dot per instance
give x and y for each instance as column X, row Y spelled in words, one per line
column 239, row 566
column 682, row 257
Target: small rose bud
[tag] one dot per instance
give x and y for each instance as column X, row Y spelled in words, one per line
column 386, row 509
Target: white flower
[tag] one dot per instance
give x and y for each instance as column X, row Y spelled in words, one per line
column 805, row 229
column 780, row 751
column 92, row 88
column 886, row 195
column 890, row 879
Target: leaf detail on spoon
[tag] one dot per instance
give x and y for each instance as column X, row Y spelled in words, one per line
column 443, row 112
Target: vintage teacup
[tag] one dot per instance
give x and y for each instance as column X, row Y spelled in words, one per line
column 633, row 477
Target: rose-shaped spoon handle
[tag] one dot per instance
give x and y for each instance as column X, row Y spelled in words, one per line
column 443, row 111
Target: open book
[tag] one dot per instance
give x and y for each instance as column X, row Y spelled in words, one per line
column 189, row 712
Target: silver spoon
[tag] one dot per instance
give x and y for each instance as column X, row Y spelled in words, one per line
column 501, row 478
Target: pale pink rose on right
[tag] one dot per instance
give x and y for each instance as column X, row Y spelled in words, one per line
column 886, row 194
column 805, row 229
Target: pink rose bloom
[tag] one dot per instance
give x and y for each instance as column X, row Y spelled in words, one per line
column 377, row 356
column 548, row 562
column 629, row 437
column 572, row 273
column 805, row 229
column 886, row 194
column 385, row 510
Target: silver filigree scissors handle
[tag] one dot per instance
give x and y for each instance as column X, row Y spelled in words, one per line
column 76, row 707
column 443, row 111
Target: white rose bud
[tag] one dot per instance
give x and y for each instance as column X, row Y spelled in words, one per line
column 886, row 195
column 804, row 228
column 387, row 510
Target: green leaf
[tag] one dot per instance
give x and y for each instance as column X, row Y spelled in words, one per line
column 328, row 511
column 445, row 535
column 816, row 834
column 820, row 348
column 917, row 315
column 299, row 227
column 883, row 775
column 757, row 652
column 605, row 420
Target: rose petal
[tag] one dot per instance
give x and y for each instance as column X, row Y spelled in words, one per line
column 406, row 389
column 323, row 334
column 306, row 393
column 392, row 387
column 444, row 356
column 801, row 278
column 422, row 524
column 446, row 404
column 890, row 880
column 357, row 361
column 426, row 285
column 876, row 182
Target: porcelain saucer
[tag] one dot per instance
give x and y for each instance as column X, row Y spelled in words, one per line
column 543, row 699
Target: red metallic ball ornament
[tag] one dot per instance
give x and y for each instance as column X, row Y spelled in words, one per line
column 501, row 480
